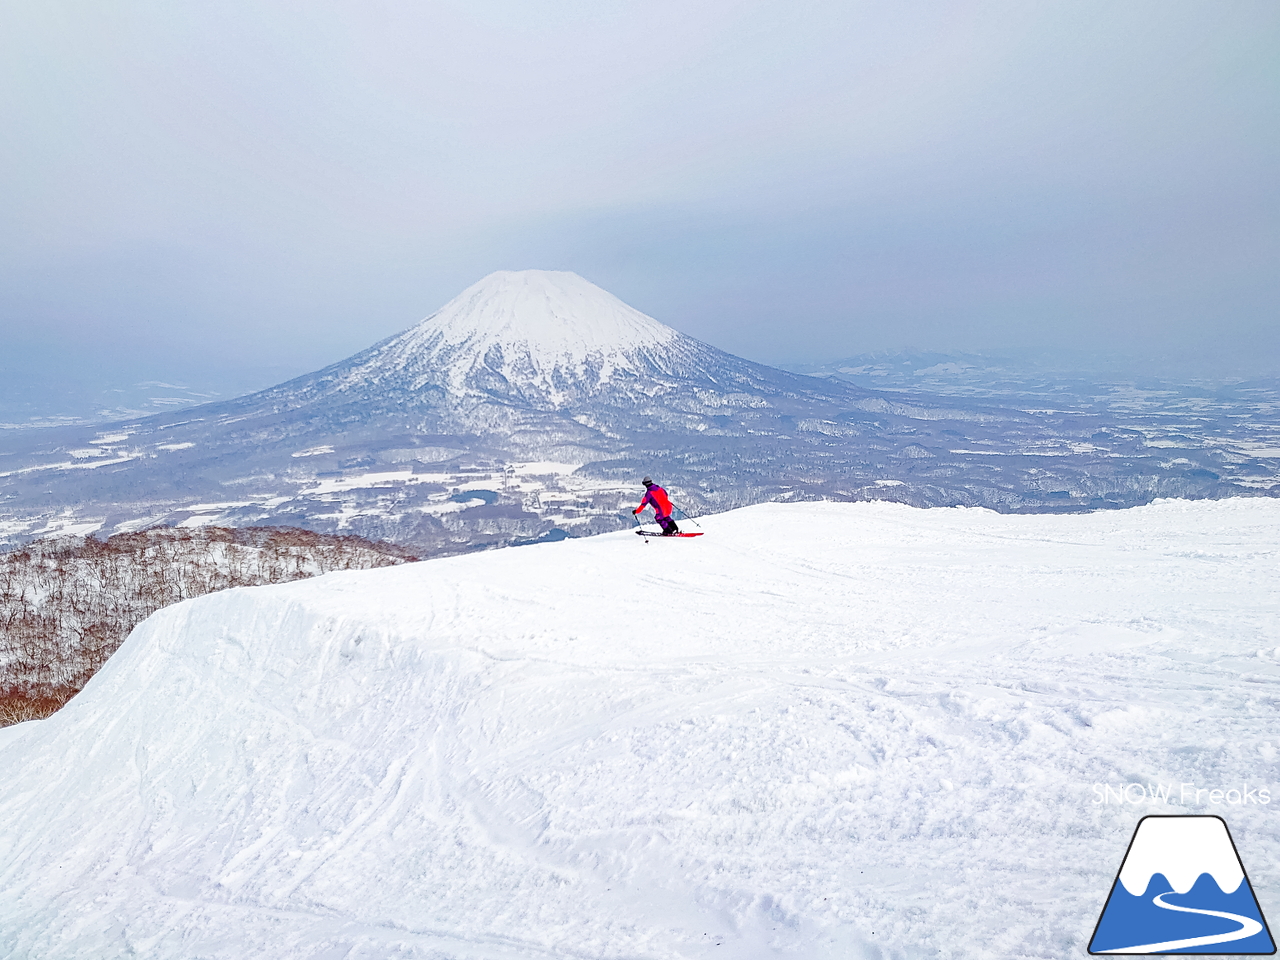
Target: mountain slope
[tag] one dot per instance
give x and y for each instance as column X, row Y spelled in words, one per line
column 821, row 730
column 536, row 342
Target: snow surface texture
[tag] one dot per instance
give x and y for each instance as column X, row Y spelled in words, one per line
column 821, row 730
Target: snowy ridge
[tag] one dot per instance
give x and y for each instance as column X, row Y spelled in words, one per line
column 820, row 731
column 1182, row 849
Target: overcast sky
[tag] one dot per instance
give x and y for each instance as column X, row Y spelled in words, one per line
column 269, row 186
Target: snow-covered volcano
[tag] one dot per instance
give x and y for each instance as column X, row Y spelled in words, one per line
column 541, row 335
column 548, row 340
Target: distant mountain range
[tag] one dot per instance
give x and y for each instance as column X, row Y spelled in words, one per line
column 530, row 406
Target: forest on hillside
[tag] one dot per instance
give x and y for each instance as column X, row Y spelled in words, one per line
column 67, row 603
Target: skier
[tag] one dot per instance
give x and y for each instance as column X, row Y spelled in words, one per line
column 656, row 497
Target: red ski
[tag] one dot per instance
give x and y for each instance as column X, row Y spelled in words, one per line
column 666, row 536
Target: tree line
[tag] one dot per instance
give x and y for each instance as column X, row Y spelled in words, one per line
column 67, row 603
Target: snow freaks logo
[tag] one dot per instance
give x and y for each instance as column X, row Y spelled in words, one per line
column 1183, row 793
column 1182, row 889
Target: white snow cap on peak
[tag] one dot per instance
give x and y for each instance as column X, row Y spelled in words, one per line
column 541, row 334
column 557, row 314
column 1181, row 848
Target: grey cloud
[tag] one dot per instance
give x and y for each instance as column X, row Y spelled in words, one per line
column 786, row 181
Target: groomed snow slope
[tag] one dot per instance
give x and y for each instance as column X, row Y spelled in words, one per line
column 821, row 730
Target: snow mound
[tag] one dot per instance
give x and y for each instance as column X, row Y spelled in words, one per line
column 821, row 730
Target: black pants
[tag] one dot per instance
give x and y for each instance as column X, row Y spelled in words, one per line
column 668, row 526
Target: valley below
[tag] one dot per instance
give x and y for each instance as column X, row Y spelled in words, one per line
column 936, row 431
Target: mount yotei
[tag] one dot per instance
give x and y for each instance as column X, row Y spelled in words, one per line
column 529, row 406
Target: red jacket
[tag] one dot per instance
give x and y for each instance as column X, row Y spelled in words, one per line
column 656, row 497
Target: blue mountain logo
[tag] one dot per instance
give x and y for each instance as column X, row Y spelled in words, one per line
column 1182, row 889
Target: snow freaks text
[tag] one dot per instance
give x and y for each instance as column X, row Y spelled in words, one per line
column 1180, row 793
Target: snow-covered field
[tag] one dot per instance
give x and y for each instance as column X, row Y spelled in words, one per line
column 554, row 491
column 821, row 730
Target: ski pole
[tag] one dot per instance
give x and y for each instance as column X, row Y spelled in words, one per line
column 685, row 516
column 640, row 526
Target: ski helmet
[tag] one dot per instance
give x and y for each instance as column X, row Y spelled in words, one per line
column 647, row 482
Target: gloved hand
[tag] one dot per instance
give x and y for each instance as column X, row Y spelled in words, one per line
column 635, row 512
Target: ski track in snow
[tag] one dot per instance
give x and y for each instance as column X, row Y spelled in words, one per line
column 819, row 731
